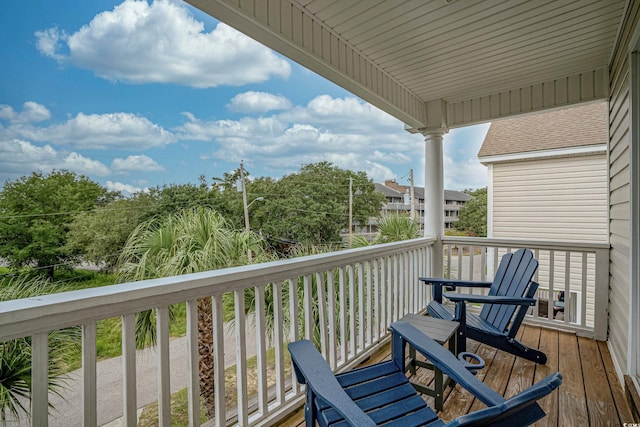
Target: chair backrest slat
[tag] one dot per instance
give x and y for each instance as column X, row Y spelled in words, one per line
column 512, row 279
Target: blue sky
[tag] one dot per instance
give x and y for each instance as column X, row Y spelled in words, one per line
column 135, row 94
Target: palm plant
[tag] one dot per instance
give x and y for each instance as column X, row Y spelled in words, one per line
column 308, row 249
column 189, row 241
column 15, row 355
column 395, row 228
column 391, row 228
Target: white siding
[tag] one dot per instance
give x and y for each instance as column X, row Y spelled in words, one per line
column 561, row 198
column 620, row 232
column 555, row 198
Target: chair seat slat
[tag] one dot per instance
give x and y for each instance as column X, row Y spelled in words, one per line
column 377, row 385
column 356, row 376
column 377, row 398
column 395, row 410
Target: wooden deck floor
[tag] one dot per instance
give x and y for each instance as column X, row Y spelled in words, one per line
column 590, row 394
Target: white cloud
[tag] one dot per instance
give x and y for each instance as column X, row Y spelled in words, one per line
column 246, row 128
column 468, row 173
column 258, row 102
column 126, row 189
column 6, row 112
column 345, row 131
column 84, row 165
column 97, row 131
column 18, row 158
column 161, row 42
column 462, row 169
column 140, row 163
column 49, row 41
column 31, row 112
column 348, row 114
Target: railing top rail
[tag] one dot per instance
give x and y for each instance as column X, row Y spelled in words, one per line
column 526, row 243
column 48, row 312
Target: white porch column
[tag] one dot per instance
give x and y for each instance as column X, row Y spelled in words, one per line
column 434, row 196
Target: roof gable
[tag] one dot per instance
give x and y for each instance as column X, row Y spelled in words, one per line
column 401, row 190
column 580, row 126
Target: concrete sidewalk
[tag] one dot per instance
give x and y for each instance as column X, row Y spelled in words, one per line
column 68, row 407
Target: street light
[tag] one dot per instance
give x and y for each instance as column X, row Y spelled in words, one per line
column 246, row 212
column 257, row 199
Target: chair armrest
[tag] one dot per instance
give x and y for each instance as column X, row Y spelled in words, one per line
column 521, row 409
column 454, row 283
column 446, row 362
column 311, row 369
column 490, row 299
column 450, row 285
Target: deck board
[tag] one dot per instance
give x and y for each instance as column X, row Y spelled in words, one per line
column 572, row 403
column 458, row 400
column 589, row 395
column 523, row 371
column 619, row 398
column 548, row 345
column 602, row 410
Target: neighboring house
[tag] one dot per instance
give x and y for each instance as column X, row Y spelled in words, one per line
column 398, row 199
column 548, row 180
column 548, row 175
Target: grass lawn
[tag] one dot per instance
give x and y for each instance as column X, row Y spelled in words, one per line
column 179, row 411
column 109, row 331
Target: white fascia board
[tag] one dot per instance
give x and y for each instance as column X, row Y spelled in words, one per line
column 556, row 152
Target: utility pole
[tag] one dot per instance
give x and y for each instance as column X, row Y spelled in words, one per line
column 350, row 208
column 412, row 195
column 244, row 205
column 244, row 198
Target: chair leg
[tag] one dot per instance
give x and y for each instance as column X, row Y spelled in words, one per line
column 521, row 350
column 461, row 334
column 309, row 410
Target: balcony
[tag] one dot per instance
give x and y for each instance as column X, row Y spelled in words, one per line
column 343, row 300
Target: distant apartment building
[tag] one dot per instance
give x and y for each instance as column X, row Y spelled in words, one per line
column 398, row 200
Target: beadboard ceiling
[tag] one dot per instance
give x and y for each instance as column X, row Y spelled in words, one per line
column 418, row 58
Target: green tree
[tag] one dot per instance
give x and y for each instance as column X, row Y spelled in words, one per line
column 473, row 215
column 100, row 234
column 35, row 212
column 189, row 241
column 313, row 204
column 15, row 355
column 175, row 198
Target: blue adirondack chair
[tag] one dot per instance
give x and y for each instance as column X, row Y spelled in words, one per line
column 381, row 393
column 510, row 295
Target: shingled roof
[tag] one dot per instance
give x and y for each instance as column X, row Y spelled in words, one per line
column 571, row 127
column 400, row 190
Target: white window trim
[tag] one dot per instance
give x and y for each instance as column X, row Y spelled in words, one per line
column 633, row 361
column 556, row 152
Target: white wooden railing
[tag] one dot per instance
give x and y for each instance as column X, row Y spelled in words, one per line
column 580, row 270
column 343, row 300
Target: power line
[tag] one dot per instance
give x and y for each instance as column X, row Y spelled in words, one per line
column 104, row 208
column 305, row 210
column 126, row 208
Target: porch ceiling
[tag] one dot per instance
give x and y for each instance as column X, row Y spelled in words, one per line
column 442, row 63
